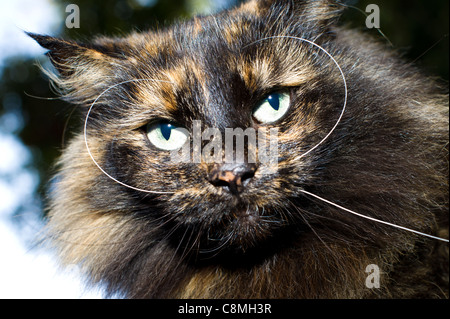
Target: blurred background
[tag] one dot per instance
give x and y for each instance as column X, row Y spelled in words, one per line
column 33, row 119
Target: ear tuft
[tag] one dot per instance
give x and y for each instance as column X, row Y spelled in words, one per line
column 49, row 42
column 83, row 70
column 61, row 52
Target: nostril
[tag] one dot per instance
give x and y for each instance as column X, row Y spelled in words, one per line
column 219, row 182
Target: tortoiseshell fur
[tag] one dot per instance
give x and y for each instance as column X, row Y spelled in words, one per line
column 388, row 158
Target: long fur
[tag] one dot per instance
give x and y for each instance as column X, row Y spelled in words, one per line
column 388, row 159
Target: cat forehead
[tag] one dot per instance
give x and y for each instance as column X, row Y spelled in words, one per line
column 209, row 53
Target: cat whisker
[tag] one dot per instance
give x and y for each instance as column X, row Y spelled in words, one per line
column 178, row 247
column 286, row 215
column 41, row 97
column 218, row 249
column 366, row 15
column 374, row 219
column 320, row 218
column 268, row 217
column 430, row 48
column 57, row 236
column 301, row 214
column 189, row 249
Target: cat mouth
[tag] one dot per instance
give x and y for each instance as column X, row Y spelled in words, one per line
column 245, row 227
column 240, row 231
column 246, row 216
column 224, row 228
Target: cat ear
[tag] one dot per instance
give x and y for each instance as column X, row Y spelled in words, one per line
column 83, row 69
column 67, row 55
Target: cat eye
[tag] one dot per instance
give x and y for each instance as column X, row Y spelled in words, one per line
column 167, row 136
column 272, row 108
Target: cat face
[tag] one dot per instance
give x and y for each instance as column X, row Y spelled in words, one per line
column 280, row 65
column 229, row 77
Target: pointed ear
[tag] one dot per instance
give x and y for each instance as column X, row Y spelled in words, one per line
column 65, row 54
column 83, row 69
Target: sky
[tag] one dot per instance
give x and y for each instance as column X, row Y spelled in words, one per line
column 40, row 16
column 27, row 271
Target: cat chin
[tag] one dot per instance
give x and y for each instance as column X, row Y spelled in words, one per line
column 239, row 230
column 248, row 229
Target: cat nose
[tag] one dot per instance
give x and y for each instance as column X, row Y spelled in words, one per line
column 233, row 176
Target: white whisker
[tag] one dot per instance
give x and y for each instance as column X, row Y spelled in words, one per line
column 374, row 219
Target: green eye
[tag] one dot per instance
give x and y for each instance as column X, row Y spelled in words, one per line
column 167, row 136
column 272, row 108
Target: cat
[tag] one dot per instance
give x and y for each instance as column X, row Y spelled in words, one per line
column 356, row 126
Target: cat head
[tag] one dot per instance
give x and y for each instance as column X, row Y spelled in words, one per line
column 269, row 64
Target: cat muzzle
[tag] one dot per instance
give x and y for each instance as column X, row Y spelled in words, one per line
column 234, row 177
